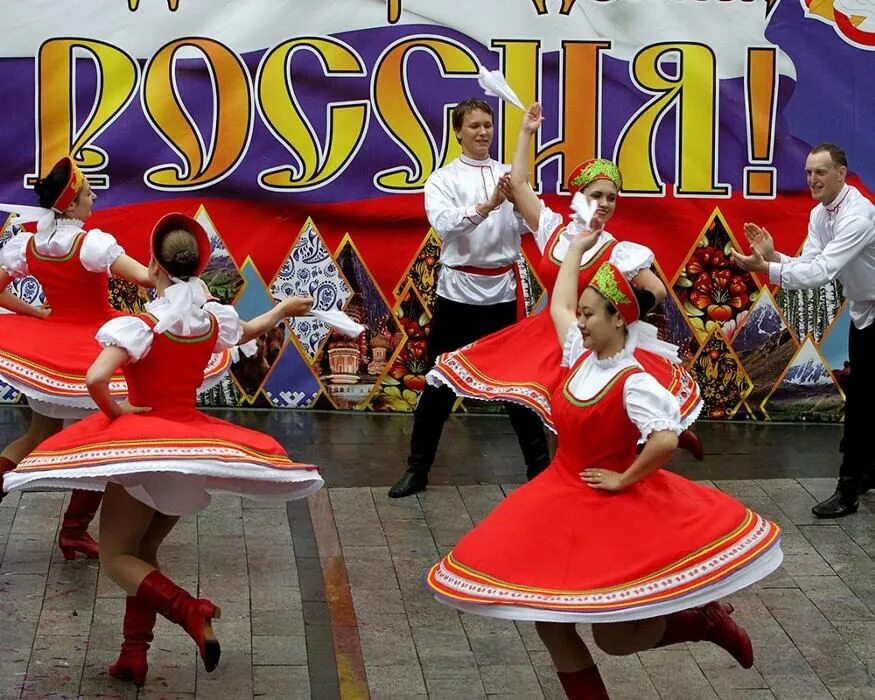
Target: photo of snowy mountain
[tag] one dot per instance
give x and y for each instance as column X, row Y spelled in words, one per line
column 764, row 346
column 807, row 390
column 221, row 274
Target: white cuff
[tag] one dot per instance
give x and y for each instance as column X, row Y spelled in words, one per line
column 474, row 217
column 775, row 273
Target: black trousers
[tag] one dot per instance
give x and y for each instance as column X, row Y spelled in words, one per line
column 452, row 326
column 856, row 445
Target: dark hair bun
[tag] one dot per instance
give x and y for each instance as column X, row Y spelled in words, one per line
column 185, row 258
column 49, row 188
column 646, row 301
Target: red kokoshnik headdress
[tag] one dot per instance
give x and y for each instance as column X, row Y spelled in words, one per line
column 592, row 170
column 610, row 283
column 73, row 186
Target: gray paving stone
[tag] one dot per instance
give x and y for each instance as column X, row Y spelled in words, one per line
column 410, row 538
column 511, row 680
column 285, row 650
column 55, row 666
column 497, row 650
column 833, row 598
column 481, row 500
column 13, row 674
column 281, row 682
column 675, row 674
column 792, row 686
column 454, row 688
column 375, row 603
column 427, row 612
column 395, row 508
column 625, row 677
column 387, row 641
column 460, row 665
column 398, row 681
column 867, row 693
column 431, row 642
column 812, row 623
column 277, row 622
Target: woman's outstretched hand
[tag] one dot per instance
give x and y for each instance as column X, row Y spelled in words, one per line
column 296, row 306
column 585, row 239
column 532, row 118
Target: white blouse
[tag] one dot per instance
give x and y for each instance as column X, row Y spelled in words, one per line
column 649, row 405
column 630, row 258
column 451, row 195
column 840, row 244
column 98, row 252
column 135, row 336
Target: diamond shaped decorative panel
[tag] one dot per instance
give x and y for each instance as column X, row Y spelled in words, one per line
column 400, row 387
column 764, row 344
column 423, row 270
column 350, row 369
column 807, row 390
column 712, row 291
column 309, row 270
column 722, row 381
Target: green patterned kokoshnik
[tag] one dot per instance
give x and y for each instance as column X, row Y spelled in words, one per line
column 599, row 167
column 605, row 282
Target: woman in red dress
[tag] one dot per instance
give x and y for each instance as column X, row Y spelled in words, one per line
column 156, row 455
column 482, row 369
column 44, row 354
column 641, row 553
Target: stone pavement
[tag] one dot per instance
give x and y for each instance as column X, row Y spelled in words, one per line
column 324, row 599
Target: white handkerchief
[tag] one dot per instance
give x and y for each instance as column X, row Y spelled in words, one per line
column 339, row 321
column 247, row 349
column 495, row 84
column 583, row 209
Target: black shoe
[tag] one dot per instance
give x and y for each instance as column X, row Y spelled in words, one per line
column 410, row 483
column 842, row 502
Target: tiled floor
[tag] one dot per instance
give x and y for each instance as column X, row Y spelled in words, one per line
column 324, row 599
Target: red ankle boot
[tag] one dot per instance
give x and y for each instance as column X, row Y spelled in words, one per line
column 6, row 465
column 194, row 615
column 585, row 684
column 709, row 623
column 132, row 664
column 690, row 442
column 74, row 535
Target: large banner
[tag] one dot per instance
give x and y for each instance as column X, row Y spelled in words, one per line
column 301, row 134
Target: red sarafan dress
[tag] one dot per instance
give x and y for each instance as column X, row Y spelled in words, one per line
column 520, row 363
column 557, row 549
column 173, row 457
column 47, row 359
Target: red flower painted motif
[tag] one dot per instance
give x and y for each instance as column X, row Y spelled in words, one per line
column 711, row 289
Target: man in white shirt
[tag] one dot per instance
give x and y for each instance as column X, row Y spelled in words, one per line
column 477, row 294
column 840, row 244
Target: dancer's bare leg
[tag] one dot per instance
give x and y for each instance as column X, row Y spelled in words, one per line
column 577, row 672
column 157, row 532
column 41, row 427
column 567, row 649
column 622, row 638
column 126, row 528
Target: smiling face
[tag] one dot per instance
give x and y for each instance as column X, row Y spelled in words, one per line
column 825, row 177
column 601, row 330
column 475, row 134
column 603, row 194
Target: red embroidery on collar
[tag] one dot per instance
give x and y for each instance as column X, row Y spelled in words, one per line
column 834, row 209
